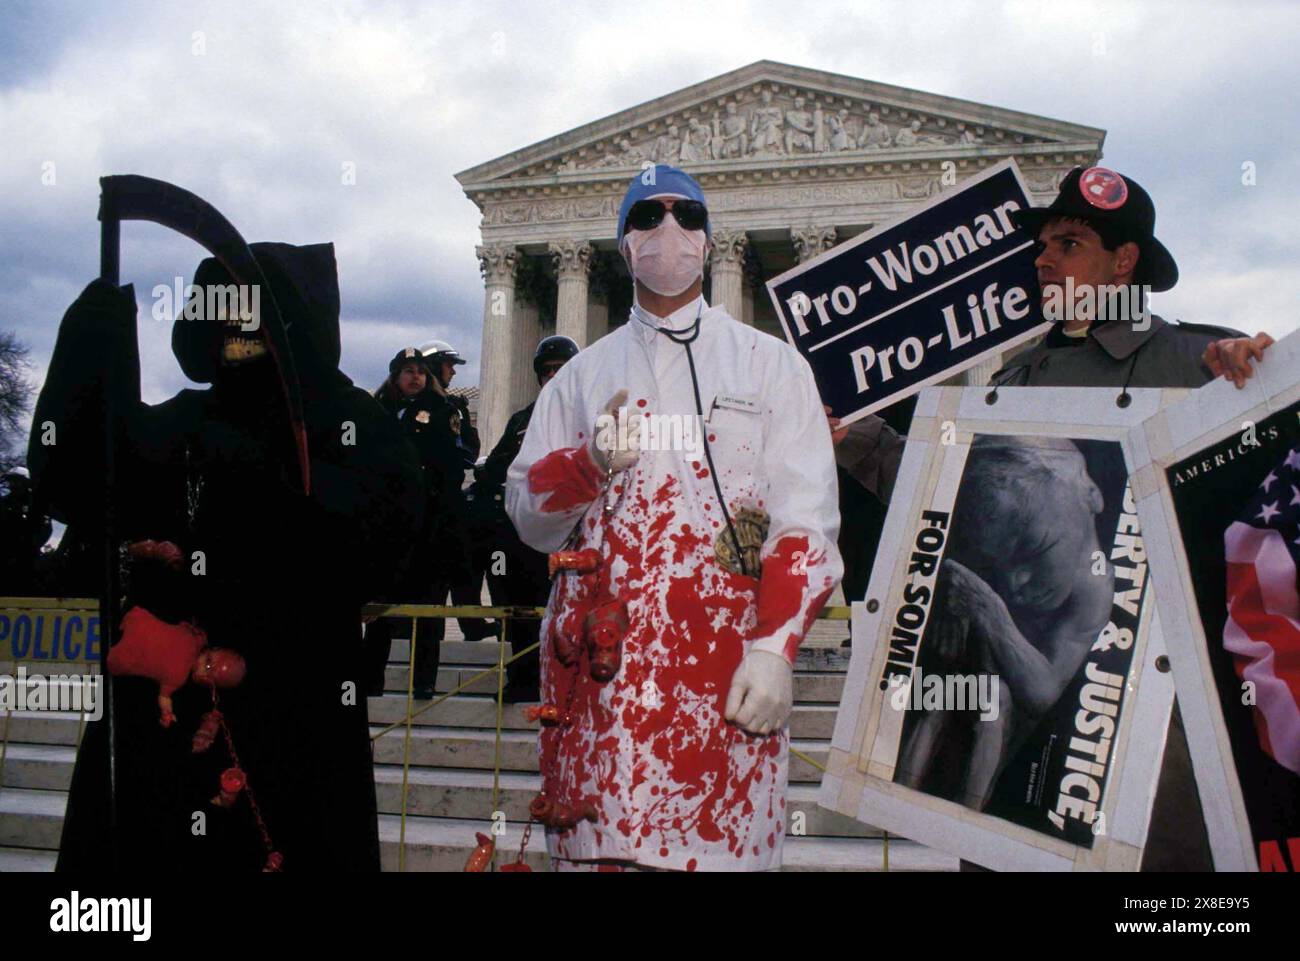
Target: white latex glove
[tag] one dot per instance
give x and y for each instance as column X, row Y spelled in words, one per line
column 606, row 451
column 762, row 693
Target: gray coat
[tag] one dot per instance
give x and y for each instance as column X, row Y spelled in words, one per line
column 871, row 452
column 1117, row 355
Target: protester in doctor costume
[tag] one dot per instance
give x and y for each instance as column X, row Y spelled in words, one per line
column 716, row 555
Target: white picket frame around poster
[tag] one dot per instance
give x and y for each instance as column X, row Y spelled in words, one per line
column 1138, row 746
column 1205, row 417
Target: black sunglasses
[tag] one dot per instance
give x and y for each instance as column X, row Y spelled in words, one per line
column 649, row 214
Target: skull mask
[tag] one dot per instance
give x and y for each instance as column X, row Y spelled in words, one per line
column 242, row 341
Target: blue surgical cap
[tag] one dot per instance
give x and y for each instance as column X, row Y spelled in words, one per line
column 656, row 181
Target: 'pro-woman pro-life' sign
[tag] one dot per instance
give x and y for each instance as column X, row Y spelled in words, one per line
column 913, row 302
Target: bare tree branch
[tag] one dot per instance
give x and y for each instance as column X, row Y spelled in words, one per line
column 16, row 393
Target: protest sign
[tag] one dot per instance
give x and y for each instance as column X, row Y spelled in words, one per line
column 913, row 302
column 1003, row 702
column 1217, row 482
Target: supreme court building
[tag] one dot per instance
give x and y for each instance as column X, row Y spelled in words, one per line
column 792, row 161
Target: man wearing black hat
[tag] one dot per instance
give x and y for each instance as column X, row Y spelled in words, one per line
column 1098, row 237
column 442, row 359
column 458, row 567
column 422, row 417
column 1098, row 252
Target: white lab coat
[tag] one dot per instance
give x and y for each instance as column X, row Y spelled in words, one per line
column 675, row 785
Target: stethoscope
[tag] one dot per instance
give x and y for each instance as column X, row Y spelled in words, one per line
column 685, row 337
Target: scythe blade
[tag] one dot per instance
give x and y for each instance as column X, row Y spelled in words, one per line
column 131, row 197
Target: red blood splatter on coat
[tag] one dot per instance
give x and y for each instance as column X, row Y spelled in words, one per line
column 795, row 638
column 783, row 594
column 784, row 582
column 651, row 746
column 568, row 475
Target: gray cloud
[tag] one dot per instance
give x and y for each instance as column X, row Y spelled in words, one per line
column 263, row 121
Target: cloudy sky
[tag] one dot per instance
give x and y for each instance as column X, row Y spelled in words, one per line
column 256, row 107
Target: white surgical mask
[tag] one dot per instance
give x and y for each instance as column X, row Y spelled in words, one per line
column 667, row 259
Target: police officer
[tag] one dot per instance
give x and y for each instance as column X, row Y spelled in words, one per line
column 525, row 580
column 442, row 359
column 407, row 396
column 452, row 411
column 552, row 353
column 24, row 529
column 1100, row 232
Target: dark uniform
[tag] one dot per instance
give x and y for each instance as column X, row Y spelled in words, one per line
column 464, row 570
column 24, row 529
column 525, row 581
column 423, row 573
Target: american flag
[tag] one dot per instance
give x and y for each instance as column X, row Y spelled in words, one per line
column 1263, row 629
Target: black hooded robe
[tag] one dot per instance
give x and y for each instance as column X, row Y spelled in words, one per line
column 284, row 576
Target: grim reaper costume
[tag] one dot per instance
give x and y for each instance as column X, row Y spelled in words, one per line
column 268, row 572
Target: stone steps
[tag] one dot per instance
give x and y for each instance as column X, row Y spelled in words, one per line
column 54, row 727
column 452, row 751
column 458, row 734
column 450, row 747
column 808, row 721
column 42, row 767
column 30, row 823
column 31, row 819
column 443, row 793
column 481, row 654
column 809, row 687
column 444, row 844
column 24, row 860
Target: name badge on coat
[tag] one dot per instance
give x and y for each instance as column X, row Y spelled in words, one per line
column 745, row 403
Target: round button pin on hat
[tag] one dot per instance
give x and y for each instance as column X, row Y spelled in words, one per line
column 1103, row 188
